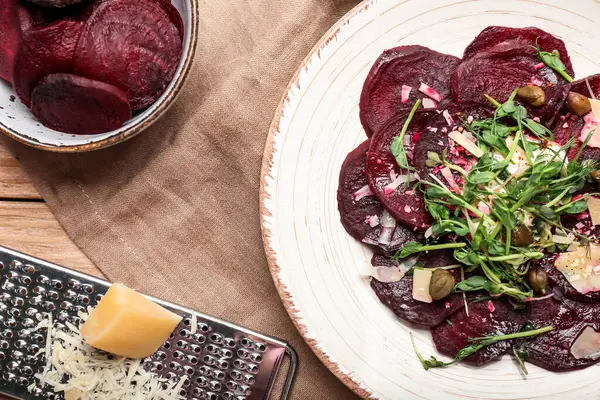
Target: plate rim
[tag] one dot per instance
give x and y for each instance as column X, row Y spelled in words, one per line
column 267, row 166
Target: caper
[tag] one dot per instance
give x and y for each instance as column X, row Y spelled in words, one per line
column 521, row 236
column 532, row 95
column 441, row 284
column 538, row 279
column 595, row 174
column 578, row 104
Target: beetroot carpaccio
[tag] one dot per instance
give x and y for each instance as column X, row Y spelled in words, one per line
column 98, row 40
column 490, row 166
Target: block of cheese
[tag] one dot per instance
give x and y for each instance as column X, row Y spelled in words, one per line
column 127, row 324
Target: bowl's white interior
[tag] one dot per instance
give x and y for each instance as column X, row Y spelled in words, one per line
column 18, row 119
column 318, row 264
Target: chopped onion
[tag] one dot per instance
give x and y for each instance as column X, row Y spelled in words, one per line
column 386, row 274
column 362, row 192
column 491, row 306
column 447, row 174
column 428, row 91
column 372, row 220
column 448, row 117
column 388, row 224
column 429, row 104
column 466, row 143
column 429, row 232
column 538, row 66
column 405, row 94
column 535, row 81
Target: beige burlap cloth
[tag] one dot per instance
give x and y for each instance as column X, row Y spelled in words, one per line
column 174, row 211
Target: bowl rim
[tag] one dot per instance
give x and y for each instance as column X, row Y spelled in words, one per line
column 287, row 298
column 162, row 104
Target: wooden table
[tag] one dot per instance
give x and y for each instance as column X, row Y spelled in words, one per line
column 27, row 225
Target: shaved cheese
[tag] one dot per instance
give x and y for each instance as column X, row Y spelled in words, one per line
column 388, row 226
column 194, row 324
column 594, row 209
column 466, row 143
column 580, row 268
column 80, row 372
column 587, row 344
column 421, row 281
column 592, row 124
column 448, row 118
column 405, row 94
column 362, row 192
column 558, row 239
column 387, row 274
column 428, row 91
column 399, row 180
column 447, row 174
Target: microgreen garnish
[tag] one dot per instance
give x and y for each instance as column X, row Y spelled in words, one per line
column 397, row 145
column 553, row 61
column 476, row 345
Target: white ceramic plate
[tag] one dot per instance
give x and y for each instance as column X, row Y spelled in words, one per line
column 315, row 264
column 17, row 121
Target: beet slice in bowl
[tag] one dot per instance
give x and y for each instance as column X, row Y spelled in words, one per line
column 361, row 214
column 530, row 36
column 383, row 174
column 78, row 105
column 403, row 67
column 486, row 318
column 110, row 49
column 45, row 50
column 55, row 3
column 504, row 68
column 397, row 296
column 10, row 32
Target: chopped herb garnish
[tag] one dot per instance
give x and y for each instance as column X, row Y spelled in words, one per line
column 397, row 145
column 553, row 61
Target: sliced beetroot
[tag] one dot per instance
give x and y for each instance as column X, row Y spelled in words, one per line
column 174, row 15
column 109, row 48
column 55, row 3
column 77, row 105
column 504, row 68
column 45, row 50
column 357, row 213
column 568, row 318
column 567, row 125
column 407, row 66
column 488, row 317
column 530, row 36
column 10, row 34
column 397, row 296
column 403, row 203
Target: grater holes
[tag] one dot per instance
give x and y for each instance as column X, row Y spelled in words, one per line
column 13, row 365
column 15, row 312
column 39, row 338
column 1, row 265
column 72, row 283
column 215, row 386
column 17, row 355
column 11, row 323
column 167, row 345
column 223, row 364
column 36, row 300
column 246, row 342
column 203, row 327
column 24, row 333
column 27, row 370
column 21, row 291
column 260, row 347
column 231, row 385
column 204, row 370
column 89, row 289
column 216, row 338
column 229, row 342
column 212, row 349
column 99, row 297
column 50, row 306
column 23, row 381
column 7, row 333
column 249, row 379
column 235, row 375
column 239, row 364
column 246, row 391
column 243, row 353
column 209, row 360
column 52, row 295
column 225, row 353
column 211, row 396
column 20, row 344
column 65, row 305
column 32, row 348
column 43, row 279
column 183, row 392
column 58, row 285
column 28, row 269
column 202, row 381
column 39, row 290
column 193, row 360
column 17, row 301
column 220, row 375
column 252, row 368
column 171, row 375
column 199, row 338
column 8, row 376
column 2, row 356
column 15, row 264
column 257, row 358
column 189, row 370
column 10, row 275
column 196, row 349
column 182, row 344
column 185, row 333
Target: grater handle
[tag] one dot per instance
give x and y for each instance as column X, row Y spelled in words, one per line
column 289, row 379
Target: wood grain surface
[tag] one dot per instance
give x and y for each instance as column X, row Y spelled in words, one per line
column 27, row 225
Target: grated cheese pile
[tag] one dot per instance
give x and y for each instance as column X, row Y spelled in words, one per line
column 78, row 370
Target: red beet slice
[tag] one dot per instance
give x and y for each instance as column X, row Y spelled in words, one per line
column 77, row 105
column 356, row 211
column 54, row 3
column 131, row 44
column 45, row 50
column 381, row 96
column 502, row 69
column 567, row 126
column 494, row 317
column 568, row 318
column 405, row 205
column 10, row 34
column 530, row 36
column 397, row 296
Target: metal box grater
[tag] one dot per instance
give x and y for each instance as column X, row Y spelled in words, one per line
column 221, row 360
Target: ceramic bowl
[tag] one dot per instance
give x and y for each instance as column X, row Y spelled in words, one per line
column 17, row 121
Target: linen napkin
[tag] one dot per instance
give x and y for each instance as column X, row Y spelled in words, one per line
column 174, row 212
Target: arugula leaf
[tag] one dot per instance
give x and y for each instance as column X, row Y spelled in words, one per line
column 472, row 284
column 411, row 248
column 576, row 207
column 481, row 177
column 438, row 211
